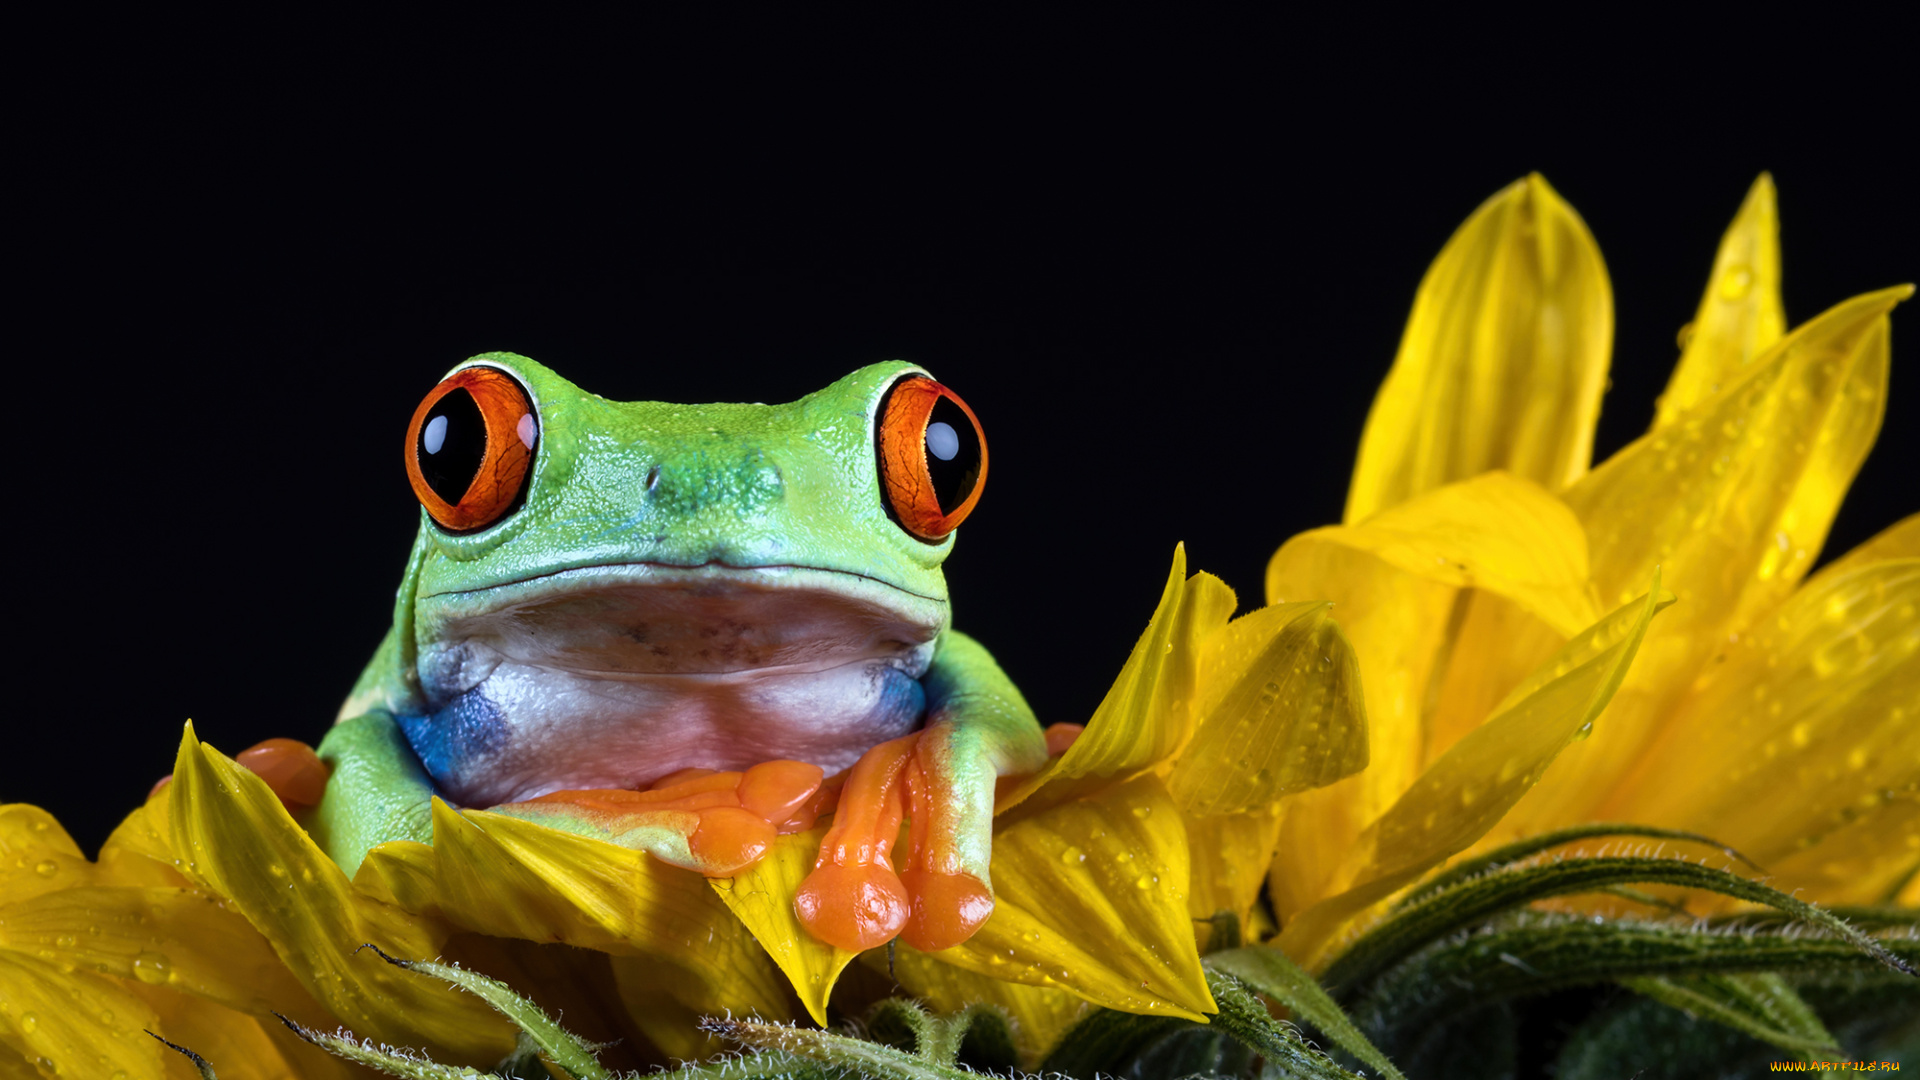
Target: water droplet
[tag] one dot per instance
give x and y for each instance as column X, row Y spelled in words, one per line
column 276, row 870
column 1073, row 856
column 47, row 1064
column 1735, row 283
column 1144, row 881
column 46, row 868
column 28, row 1023
column 1857, row 759
column 1586, row 729
column 1143, row 812
column 1802, row 733
column 152, row 968
column 64, row 941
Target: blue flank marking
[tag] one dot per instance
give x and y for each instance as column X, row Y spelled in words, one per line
column 450, row 738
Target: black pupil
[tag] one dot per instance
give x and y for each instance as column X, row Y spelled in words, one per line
column 453, row 443
column 954, row 470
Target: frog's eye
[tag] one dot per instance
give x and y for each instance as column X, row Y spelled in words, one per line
column 933, row 457
column 470, row 447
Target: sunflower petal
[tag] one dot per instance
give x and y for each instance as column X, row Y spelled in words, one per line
column 1147, row 715
column 506, row 877
column 239, row 841
column 77, row 1024
column 180, row 938
column 1280, row 711
column 1090, row 897
column 1732, row 501
column 1397, row 624
column 241, row 1047
column 1740, row 315
column 1822, row 699
column 139, row 851
column 1467, row 791
column 1495, row 532
column 1230, row 854
column 761, row 897
column 36, row 854
column 1040, row 1015
column 1503, row 360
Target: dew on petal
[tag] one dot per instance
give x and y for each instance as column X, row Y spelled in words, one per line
column 152, row 968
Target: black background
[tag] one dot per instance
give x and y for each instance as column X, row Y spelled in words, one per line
column 1166, row 263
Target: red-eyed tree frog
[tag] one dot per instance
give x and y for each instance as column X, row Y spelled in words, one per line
column 686, row 629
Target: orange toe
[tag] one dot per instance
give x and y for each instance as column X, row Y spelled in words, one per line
column 856, row 907
column 291, row 768
column 729, row 840
column 946, row 908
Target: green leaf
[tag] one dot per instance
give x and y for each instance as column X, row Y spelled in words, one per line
column 560, row 1046
column 1643, row 1038
column 206, row 1070
column 985, row 1039
column 386, row 1059
column 841, row 1052
column 1533, row 845
column 1473, row 901
column 1246, row 1019
column 1272, row 973
column 1538, row 953
column 1758, row 1004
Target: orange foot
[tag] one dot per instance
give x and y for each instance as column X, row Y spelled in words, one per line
column 718, row 823
column 855, row 899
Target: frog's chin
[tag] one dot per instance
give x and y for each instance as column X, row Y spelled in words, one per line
column 613, row 677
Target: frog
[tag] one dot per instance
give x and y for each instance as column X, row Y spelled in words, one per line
column 687, row 630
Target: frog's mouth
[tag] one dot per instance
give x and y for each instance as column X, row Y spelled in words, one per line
column 615, row 676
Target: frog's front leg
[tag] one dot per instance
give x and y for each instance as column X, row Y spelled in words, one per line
column 978, row 729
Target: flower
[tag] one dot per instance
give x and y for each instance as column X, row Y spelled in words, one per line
column 1477, row 546
column 1496, row 604
column 1091, row 867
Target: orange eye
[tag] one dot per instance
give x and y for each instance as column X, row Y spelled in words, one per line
column 470, row 447
column 933, row 457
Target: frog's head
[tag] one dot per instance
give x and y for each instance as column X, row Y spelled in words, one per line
column 604, row 592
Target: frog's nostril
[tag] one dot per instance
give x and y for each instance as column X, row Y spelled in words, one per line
column 653, row 477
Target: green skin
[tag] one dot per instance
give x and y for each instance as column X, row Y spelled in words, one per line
column 648, row 532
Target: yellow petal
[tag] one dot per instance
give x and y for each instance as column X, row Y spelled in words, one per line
column 1090, row 897
column 1864, row 861
column 1900, row 540
column 761, row 897
column 1040, row 1015
column 140, row 851
column 240, row 1047
column 1147, row 714
column 1732, row 501
column 37, row 855
column 1805, row 724
column 1397, row 624
column 507, row 877
column 1395, row 582
column 1740, row 315
column 239, row 841
column 1230, row 854
column 1467, row 791
column 73, row 1022
column 1495, row 532
column 1503, row 359
column 1497, row 643
column 184, row 939
column 1280, row 711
